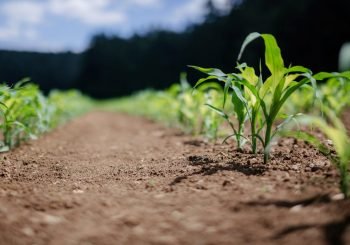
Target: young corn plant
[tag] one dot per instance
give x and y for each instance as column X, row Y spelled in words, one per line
column 257, row 99
column 335, row 92
column 334, row 129
column 302, row 101
column 233, row 91
column 190, row 108
column 193, row 117
column 211, row 122
column 61, row 106
column 177, row 106
column 276, row 89
column 3, row 109
column 23, row 113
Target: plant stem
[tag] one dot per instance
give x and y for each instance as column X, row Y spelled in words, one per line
column 344, row 181
column 267, row 141
column 239, row 138
column 253, row 135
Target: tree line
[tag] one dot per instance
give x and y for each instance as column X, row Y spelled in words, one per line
column 309, row 32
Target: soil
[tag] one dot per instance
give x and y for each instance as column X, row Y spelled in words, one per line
column 108, row 178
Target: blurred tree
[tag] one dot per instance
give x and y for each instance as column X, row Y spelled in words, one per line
column 310, row 33
column 48, row 70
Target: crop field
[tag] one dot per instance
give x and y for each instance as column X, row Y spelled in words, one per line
column 259, row 155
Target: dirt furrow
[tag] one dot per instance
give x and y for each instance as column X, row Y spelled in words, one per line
column 108, row 178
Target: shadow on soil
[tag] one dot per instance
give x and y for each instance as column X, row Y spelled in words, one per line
column 210, row 167
column 333, row 232
column 289, row 204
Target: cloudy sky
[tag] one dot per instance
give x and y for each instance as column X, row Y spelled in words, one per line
column 57, row 25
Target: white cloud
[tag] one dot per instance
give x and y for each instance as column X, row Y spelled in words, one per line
column 145, row 3
column 23, row 12
column 193, row 10
column 92, row 12
column 24, row 20
column 223, row 5
column 9, row 32
column 20, row 19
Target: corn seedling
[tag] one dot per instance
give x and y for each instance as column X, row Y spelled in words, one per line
column 193, row 117
column 25, row 112
column 280, row 85
column 335, row 93
column 189, row 107
column 64, row 105
column 23, row 118
column 211, row 121
column 337, row 133
column 257, row 99
column 177, row 106
column 236, row 98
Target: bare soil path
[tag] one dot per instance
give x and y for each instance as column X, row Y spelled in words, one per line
column 108, row 178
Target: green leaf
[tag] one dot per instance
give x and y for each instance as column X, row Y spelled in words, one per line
column 268, row 85
column 336, row 134
column 286, row 121
column 210, row 71
column 323, row 75
column 234, row 135
column 210, row 86
column 288, row 92
column 301, row 135
column 218, row 111
column 239, row 104
column 289, row 79
column 327, row 75
column 249, row 86
column 205, row 80
column 183, row 81
column 22, row 82
column 3, row 105
column 4, row 148
column 228, row 84
column 299, row 69
column 345, row 74
column 251, row 37
column 273, row 59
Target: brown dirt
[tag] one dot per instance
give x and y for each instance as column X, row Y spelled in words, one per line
column 109, row 178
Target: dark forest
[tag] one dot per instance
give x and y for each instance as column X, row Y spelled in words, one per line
column 310, row 31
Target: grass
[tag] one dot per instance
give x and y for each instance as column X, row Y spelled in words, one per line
column 25, row 113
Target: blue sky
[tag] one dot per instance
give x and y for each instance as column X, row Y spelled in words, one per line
column 59, row 25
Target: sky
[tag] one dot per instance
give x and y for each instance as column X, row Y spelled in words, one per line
column 68, row 25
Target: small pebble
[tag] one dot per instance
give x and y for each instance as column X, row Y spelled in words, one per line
column 338, row 197
column 28, row 231
column 296, row 208
column 78, row 191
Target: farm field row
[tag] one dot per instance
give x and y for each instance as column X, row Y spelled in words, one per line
column 144, row 183
column 249, row 158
